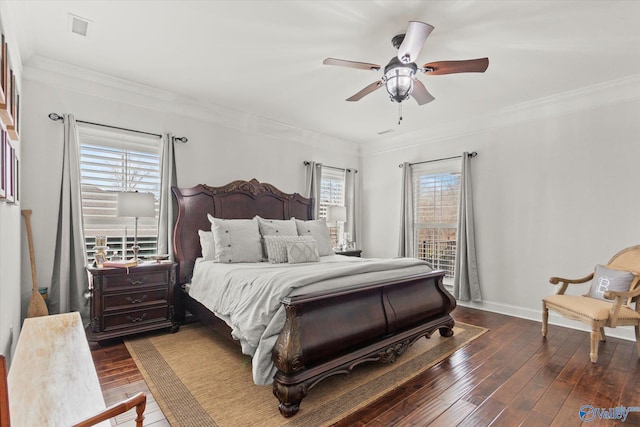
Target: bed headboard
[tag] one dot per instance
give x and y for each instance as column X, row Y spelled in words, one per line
column 236, row 200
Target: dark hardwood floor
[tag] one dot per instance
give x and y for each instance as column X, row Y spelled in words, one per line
column 510, row 376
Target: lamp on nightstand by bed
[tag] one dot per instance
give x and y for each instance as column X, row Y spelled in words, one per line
column 338, row 215
column 137, row 205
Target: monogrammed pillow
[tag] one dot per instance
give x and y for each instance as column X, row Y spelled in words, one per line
column 607, row 279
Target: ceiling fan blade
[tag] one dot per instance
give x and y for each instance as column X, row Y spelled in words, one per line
column 417, row 33
column 449, row 67
column 420, row 93
column 351, row 64
column 366, row 91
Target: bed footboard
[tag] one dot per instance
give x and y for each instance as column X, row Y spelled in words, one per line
column 330, row 333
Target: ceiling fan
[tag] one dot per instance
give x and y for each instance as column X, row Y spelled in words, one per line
column 399, row 74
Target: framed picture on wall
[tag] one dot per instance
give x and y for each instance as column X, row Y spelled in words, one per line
column 3, row 68
column 2, row 164
column 6, row 108
column 13, row 129
column 16, row 191
column 10, row 173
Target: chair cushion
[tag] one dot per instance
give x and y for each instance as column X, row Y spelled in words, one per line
column 607, row 279
column 588, row 308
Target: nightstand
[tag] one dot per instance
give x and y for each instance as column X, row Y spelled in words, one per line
column 126, row 301
column 350, row 252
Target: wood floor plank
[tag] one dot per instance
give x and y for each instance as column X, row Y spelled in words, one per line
column 518, row 408
column 454, row 414
column 584, row 390
column 553, row 398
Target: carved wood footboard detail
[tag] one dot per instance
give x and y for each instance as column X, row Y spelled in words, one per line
column 317, row 341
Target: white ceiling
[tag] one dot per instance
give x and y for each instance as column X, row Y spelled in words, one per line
column 265, row 57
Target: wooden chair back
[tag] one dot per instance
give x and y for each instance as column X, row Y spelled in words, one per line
column 4, row 394
column 627, row 259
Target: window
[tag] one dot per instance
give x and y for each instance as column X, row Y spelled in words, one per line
column 332, row 193
column 436, row 200
column 112, row 162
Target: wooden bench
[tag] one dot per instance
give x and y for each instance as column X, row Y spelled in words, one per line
column 53, row 381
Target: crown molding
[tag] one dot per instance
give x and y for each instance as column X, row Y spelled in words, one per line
column 607, row 93
column 87, row 82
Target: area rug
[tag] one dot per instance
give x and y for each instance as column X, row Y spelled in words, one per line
column 200, row 378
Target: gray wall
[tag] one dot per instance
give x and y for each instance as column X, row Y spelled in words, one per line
column 555, row 189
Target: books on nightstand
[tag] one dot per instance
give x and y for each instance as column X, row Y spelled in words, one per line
column 120, row 264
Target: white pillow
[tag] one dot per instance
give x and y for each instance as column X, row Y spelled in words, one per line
column 207, row 244
column 236, row 240
column 275, row 227
column 277, row 246
column 299, row 252
column 317, row 228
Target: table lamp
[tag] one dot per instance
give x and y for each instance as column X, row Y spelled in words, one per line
column 137, row 205
column 337, row 214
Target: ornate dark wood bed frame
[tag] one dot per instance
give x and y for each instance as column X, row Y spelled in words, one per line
column 325, row 333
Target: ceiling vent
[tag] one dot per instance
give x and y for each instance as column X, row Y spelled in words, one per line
column 386, row 131
column 78, row 24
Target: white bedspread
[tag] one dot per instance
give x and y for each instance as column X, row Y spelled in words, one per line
column 248, row 296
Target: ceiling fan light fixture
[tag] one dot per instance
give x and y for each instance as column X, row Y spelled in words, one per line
column 398, row 79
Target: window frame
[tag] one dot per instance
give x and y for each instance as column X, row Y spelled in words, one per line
column 332, row 192
column 139, row 155
column 437, row 175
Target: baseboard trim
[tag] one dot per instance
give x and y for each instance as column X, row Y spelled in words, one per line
column 623, row 332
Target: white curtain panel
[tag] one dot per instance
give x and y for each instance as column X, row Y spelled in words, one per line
column 466, row 284
column 69, row 281
column 168, row 179
column 351, row 201
column 406, row 244
column 313, row 185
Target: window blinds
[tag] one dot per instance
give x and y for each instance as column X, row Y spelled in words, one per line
column 436, row 200
column 112, row 162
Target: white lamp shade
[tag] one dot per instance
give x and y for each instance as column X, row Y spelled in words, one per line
column 336, row 213
column 136, row 205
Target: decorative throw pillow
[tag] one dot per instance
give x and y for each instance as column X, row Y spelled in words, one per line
column 236, row 240
column 207, row 244
column 299, row 252
column 607, row 279
column 277, row 246
column 320, row 232
column 275, row 227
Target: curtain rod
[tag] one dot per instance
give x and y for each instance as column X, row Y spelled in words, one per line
column 306, row 163
column 57, row 117
column 472, row 154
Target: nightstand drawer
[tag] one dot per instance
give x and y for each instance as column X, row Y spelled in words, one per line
column 112, row 282
column 129, row 300
column 134, row 318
